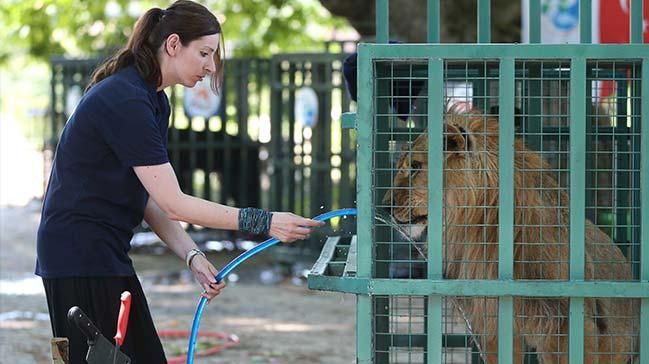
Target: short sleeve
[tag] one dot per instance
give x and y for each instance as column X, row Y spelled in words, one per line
column 132, row 132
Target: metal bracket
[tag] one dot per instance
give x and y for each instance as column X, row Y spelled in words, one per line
column 349, row 120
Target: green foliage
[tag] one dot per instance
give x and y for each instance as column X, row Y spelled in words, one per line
column 42, row 28
column 262, row 27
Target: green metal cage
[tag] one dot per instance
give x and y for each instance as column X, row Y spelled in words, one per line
column 502, row 216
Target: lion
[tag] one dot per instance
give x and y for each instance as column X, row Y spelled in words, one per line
column 541, row 248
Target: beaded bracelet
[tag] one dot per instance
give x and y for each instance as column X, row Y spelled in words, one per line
column 254, row 221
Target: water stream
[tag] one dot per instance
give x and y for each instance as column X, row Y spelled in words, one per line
column 420, row 247
column 390, row 221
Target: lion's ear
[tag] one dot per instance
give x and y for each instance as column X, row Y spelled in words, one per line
column 455, row 138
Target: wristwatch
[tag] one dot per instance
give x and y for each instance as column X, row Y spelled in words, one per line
column 191, row 254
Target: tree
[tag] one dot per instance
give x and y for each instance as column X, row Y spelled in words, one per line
column 408, row 19
column 43, row 28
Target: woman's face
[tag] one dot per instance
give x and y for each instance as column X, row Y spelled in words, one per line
column 192, row 62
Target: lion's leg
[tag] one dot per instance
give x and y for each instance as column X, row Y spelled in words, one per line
column 519, row 349
column 591, row 337
column 616, row 326
column 541, row 324
column 549, row 334
column 483, row 317
column 554, row 350
column 489, row 345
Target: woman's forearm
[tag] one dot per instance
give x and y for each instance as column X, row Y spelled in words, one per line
column 169, row 231
column 161, row 184
column 201, row 212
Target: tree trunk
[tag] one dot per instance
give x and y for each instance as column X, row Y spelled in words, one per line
column 408, row 19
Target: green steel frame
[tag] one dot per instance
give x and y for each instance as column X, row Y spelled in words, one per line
column 504, row 288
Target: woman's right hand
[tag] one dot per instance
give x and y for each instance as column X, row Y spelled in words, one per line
column 288, row 227
column 205, row 274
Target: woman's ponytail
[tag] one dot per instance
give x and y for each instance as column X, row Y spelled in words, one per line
column 139, row 51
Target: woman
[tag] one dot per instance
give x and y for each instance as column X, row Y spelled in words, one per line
column 111, row 171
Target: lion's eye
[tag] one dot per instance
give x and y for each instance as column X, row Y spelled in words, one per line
column 415, row 166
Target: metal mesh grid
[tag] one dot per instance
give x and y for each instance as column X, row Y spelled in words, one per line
column 400, row 118
column 541, row 326
column 613, row 168
column 470, row 169
column 612, row 200
column 400, row 330
column 476, row 318
column 542, row 191
column 620, row 320
column 457, row 343
column 541, row 198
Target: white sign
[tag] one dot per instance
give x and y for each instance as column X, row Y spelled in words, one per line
column 200, row 100
column 306, row 107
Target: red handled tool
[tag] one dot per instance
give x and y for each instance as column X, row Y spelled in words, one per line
column 99, row 348
column 122, row 321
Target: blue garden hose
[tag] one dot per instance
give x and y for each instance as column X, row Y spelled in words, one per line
column 238, row 260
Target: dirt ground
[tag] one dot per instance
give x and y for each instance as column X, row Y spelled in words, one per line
column 282, row 322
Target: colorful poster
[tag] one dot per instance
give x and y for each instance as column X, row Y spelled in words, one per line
column 560, row 21
column 610, row 24
column 615, row 22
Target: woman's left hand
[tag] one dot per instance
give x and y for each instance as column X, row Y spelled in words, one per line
column 205, row 273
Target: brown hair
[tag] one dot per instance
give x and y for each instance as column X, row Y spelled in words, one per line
column 186, row 18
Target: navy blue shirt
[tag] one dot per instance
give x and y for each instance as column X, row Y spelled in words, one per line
column 94, row 200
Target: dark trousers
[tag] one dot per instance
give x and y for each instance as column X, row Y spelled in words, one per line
column 99, row 298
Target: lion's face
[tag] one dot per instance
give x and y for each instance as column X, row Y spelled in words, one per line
column 408, row 197
column 469, row 141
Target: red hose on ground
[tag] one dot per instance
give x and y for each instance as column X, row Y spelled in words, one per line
column 230, row 340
